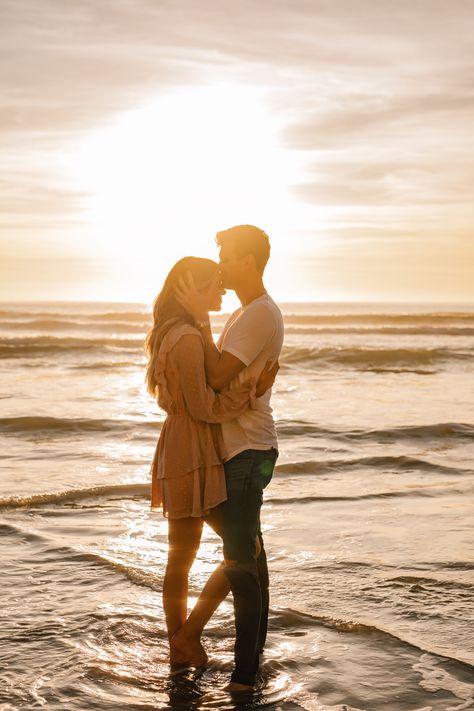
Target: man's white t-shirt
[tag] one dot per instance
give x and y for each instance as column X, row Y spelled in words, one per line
column 254, row 334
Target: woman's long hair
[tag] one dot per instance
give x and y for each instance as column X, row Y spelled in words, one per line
column 167, row 311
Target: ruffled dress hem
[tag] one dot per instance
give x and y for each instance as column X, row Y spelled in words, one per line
column 193, row 494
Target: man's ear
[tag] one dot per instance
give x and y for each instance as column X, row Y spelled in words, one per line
column 249, row 262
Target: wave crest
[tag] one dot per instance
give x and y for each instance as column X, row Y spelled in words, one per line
column 397, row 463
column 440, row 430
column 371, row 358
column 25, row 425
column 122, row 490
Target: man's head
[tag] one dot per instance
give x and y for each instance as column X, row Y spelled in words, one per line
column 244, row 251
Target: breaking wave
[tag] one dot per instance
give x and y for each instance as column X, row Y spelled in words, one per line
column 373, row 358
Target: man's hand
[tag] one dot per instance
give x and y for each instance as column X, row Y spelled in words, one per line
column 195, row 303
column 267, row 377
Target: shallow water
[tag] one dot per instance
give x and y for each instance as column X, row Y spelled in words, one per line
column 368, row 519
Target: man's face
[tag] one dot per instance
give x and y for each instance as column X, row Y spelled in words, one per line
column 232, row 269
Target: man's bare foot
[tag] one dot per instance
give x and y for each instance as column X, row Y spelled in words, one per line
column 187, row 649
column 234, row 687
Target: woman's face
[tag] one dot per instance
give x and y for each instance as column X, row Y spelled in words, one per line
column 214, row 293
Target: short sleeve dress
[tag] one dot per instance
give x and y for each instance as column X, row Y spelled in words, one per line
column 187, row 471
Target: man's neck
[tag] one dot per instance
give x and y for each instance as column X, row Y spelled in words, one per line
column 249, row 292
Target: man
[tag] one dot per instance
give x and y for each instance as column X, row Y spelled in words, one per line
column 252, row 336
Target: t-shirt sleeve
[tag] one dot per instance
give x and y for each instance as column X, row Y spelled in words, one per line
column 250, row 333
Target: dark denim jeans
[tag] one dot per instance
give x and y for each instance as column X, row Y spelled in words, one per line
column 247, row 474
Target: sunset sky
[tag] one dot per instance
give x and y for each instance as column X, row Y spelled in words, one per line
column 131, row 131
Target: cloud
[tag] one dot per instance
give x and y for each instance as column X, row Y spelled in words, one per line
column 64, row 65
column 374, row 98
column 396, row 184
column 356, row 119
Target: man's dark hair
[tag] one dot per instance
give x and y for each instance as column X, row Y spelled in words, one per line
column 247, row 239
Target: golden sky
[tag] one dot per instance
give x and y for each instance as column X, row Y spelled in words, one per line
column 131, row 131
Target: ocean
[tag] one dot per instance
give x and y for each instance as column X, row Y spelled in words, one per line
column 368, row 520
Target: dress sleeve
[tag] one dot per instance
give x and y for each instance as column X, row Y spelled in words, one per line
column 202, row 402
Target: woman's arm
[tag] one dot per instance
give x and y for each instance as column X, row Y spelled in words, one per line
column 221, row 368
column 249, row 336
column 202, row 402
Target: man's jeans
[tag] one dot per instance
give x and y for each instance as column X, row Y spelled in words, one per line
column 247, row 474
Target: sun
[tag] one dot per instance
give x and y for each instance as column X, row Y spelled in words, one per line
column 162, row 178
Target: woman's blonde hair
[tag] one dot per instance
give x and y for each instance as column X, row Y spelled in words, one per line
column 167, row 311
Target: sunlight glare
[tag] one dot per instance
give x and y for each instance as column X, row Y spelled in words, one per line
column 162, row 179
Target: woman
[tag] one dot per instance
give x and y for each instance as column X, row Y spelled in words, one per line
column 187, row 473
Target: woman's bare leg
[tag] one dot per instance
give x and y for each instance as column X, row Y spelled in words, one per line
column 186, row 642
column 184, row 537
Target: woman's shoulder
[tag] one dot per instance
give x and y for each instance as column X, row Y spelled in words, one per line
column 185, row 332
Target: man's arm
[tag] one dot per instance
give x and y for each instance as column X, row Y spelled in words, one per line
column 221, row 368
column 248, row 337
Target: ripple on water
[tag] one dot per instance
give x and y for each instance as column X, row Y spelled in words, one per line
column 103, row 646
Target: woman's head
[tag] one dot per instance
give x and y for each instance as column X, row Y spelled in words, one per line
column 204, row 273
column 167, row 310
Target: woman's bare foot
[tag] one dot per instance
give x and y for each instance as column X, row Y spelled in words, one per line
column 183, row 648
column 179, row 667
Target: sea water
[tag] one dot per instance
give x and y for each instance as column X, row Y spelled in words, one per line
column 368, row 520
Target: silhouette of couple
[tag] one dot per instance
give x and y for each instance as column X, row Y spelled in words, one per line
column 217, row 448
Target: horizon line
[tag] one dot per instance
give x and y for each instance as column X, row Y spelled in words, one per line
column 378, row 302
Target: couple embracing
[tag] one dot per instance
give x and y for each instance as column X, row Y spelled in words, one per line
column 217, row 448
